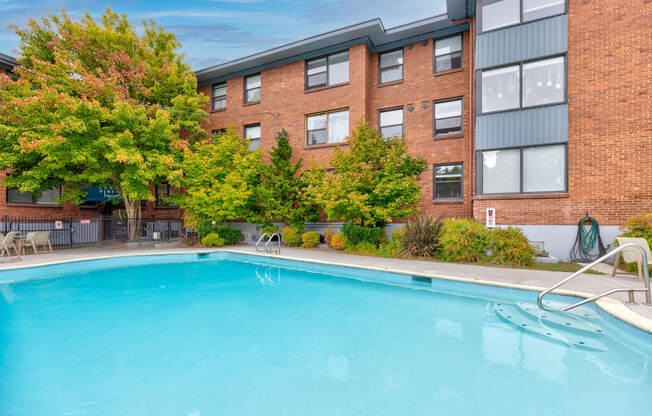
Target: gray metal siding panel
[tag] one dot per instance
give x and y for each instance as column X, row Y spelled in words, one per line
column 518, row 43
column 527, row 127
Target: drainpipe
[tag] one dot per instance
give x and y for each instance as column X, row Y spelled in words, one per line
column 471, row 106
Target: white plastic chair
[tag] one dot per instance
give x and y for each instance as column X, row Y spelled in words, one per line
column 38, row 238
column 9, row 242
column 632, row 255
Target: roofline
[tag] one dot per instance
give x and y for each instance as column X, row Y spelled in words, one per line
column 296, row 42
column 371, row 32
column 7, row 61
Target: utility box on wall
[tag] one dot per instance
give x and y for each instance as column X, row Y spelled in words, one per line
column 491, row 218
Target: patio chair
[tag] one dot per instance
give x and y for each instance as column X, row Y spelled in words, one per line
column 38, row 238
column 632, row 255
column 9, row 242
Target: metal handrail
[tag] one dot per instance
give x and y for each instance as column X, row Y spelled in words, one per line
column 267, row 248
column 646, row 281
column 270, row 241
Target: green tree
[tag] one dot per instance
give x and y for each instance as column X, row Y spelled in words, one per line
column 78, row 123
column 373, row 182
column 220, row 177
column 281, row 193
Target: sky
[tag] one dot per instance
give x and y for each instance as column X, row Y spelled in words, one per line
column 212, row 32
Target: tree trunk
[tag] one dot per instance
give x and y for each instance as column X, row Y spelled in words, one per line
column 133, row 217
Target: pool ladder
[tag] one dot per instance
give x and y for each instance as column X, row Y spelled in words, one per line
column 630, row 291
column 267, row 246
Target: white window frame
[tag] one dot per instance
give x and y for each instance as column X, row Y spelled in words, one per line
column 327, row 114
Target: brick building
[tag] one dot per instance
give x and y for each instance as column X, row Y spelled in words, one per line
column 527, row 107
column 572, row 128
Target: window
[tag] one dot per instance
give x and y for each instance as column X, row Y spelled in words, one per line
column 448, row 117
column 48, row 197
column 501, row 13
column 448, row 182
column 163, row 192
column 330, row 70
column 219, row 96
column 501, row 170
column 448, row 53
column 331, row 127
column 391, row 122
column 544, row 168
column 537, row 9
column 252, row 89
column 391, row 66
column 523, row 170
column 544, row 82
column 500, row 89
column 252, row 132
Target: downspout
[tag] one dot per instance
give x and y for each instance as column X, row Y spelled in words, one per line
column 471, row 181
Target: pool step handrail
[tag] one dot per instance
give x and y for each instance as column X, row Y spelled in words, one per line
column 268, row 244
column 646, row 280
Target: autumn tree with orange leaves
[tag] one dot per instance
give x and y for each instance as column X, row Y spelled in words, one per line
column 107, row 108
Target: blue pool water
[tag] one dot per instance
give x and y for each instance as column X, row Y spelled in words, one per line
column 232, row 334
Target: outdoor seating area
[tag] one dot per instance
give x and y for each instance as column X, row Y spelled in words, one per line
column 14, row 244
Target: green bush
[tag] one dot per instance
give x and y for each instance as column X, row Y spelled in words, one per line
column 639, row 226
column 328, row 233
column 420, row 238
column 510, row 246
column 363, row 248
column 463, row 240
column 231, row 235
column 212, row 240
column 397, row 235
column 337, row 241
column 390, row 249
column 356, row 234
column 310, row 239
column 291, row 236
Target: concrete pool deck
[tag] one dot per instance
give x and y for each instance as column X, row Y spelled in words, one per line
column 639, row 315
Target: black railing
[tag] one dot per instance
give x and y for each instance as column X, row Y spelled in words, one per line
column 98, row 231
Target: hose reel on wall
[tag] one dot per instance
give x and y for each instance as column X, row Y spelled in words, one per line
column 588, row 237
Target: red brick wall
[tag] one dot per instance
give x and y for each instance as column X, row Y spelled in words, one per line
column 610, row 128
column 283, row 92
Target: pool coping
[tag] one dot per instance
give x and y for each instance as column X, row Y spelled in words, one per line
column 611, row 306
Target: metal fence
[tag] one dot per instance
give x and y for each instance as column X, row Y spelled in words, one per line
column 97, row 231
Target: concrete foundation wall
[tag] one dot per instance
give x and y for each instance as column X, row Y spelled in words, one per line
column 558, row 239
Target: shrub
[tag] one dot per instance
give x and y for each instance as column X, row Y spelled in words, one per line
column 420, row 238
column 337, row 241
column 397, row 235
column 231, row 235
column 310, row 239
column 390, row 249
column 463, row 240
column 291, row 236
column 639, row 226
column 510, row 246
column 212, row 240
column 363, row 248
column 356, row 234
column 328, row 233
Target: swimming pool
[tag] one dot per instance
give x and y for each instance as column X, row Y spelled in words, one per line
column 235, row 334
